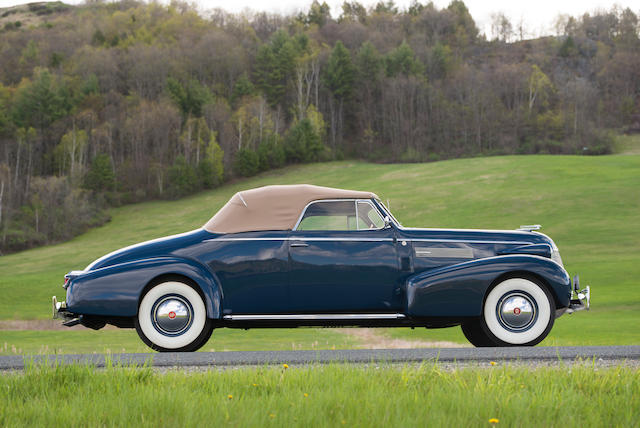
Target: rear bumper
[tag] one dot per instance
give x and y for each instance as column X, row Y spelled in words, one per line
column 60, row 312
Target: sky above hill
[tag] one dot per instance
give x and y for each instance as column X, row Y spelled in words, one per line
column 538, row 16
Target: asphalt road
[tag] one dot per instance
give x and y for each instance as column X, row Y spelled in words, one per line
column 222, row 359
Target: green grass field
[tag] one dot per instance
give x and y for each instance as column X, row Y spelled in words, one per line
column 88, row 341
column 334, row 395
column 590, row 206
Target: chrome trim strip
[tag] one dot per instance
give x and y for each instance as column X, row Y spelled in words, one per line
column 267, row 317
column 444, row 252
column 343, row 239
column 468, row 241
column 302, row 238
column 246, row 239
column 530, row 227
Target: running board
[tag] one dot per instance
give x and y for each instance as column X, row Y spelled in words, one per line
column 276, row 317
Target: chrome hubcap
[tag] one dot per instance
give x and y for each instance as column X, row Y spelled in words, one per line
column 516, row 311
column 172, row 315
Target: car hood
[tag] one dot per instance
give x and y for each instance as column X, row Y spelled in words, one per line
column 516, row 237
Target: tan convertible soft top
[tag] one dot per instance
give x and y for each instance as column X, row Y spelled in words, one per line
column 273, row 207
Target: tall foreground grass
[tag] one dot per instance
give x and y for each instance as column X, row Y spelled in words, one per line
column 334, row 395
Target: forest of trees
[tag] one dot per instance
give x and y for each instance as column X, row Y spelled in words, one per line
column 110, row 103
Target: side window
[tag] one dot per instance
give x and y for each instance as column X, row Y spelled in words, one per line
column 329, row 215
column 368, row 216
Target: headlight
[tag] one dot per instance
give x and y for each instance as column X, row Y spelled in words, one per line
column 555, row 256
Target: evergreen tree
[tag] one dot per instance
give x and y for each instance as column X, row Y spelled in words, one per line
column 189, row 98
column 339, row 78
column 275, row 63
column 302, row 143
column 402, row 60
column 100, row 176
column 242, row 88
column 340, row 73
column 368, row 64
column 40, row 102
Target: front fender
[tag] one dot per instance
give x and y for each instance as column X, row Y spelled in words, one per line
column 459, row 290
column 115, row 290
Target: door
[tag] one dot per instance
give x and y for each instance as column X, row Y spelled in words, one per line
column 343, row 260
column 252, row 269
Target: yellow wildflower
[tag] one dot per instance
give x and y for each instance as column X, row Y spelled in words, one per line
column 493, row 363
column 271, row 415
column 286, row 366
column 306, row 395
column 493, row 421
column 230, row 397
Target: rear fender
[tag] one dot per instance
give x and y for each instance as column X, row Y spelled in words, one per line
column 116, row 290
column 459, row 290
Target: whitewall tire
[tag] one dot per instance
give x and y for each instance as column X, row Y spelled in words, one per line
column 172, row 317
column 516, row 312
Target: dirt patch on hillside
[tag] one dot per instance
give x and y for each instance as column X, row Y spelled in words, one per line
column 19, row 325
column 372, row 339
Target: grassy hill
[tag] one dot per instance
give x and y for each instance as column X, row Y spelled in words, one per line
column 590, row 206
column 32, row 14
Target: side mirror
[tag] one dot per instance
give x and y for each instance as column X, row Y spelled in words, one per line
column 387, row 222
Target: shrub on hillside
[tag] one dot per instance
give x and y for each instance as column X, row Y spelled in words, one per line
column 246, row 163
column 302, row 143
column 271, row 153
column 182, row 178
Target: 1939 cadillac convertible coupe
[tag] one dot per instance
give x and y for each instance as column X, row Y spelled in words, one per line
column 302, row 255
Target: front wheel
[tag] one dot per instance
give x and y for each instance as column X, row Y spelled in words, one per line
column 516, row 312
column 172, row 318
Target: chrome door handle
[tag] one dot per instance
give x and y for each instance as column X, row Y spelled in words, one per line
column 299, row 244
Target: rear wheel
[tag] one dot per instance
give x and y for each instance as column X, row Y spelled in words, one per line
column 472, row 330
column 516, row 312
column 172, row 317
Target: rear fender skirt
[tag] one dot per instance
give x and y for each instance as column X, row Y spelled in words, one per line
column 458, row 290
column 115, row 290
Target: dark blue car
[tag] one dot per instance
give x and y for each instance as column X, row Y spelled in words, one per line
column 301, row 255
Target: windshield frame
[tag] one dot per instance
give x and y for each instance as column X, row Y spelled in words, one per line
column 387, row 212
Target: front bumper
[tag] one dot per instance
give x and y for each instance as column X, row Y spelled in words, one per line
column 580, row 299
